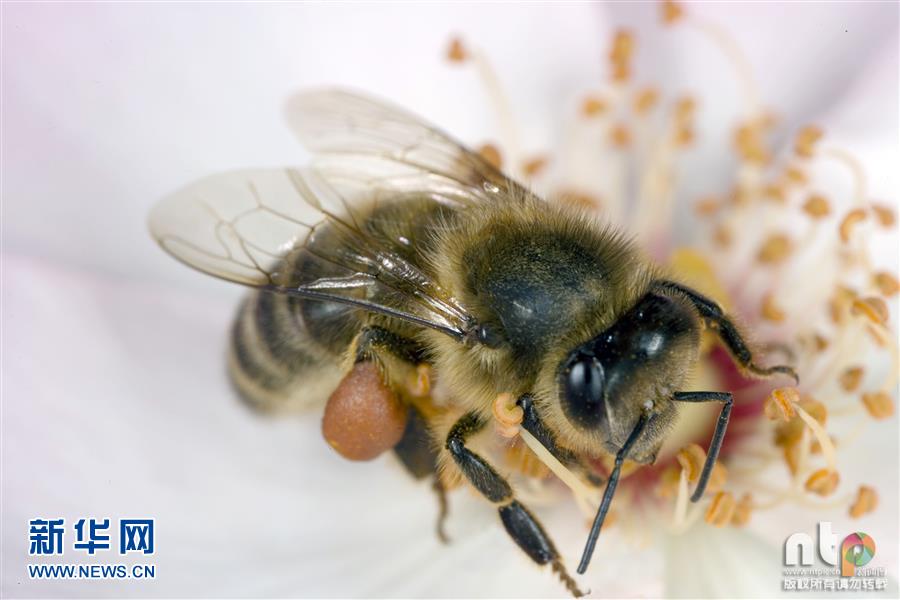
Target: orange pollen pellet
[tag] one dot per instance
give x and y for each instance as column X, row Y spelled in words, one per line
column 593, row 106
column 817, row 207
column 886, row 283
column 491, row 153
column 720, row 509
column 457, row 52
column 853, row 217
column 691, row 459
column 770, row 310
column 707, row 207
column 823, row 482
column 742, row 511
column 619, row 135
column 780, row 403
column 775, row 249
column 645, row 100
column 620, row 54
column 671, row 12
column 884, row 215
column 872, row 307
column 866, row 501
column 805, row 142
column 878, row 404
column 535, row 165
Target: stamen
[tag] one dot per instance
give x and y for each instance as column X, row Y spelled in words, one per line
column 620, row 56
column 866, row 501
column 587, row 499
column 507, row 415
column 534, row 166
column 817, row 207
column 851, row 378
column 707, row 207
column 770, row 310
column 775, row 249
column 593, row 106
column 645, row 100
column 884, row 214
column 671, row 12
column 742, row 511
column 853, row 218
column 878, row 404
column 721, row 509
column 806, row 139
column 822, row 437
column 456, row 51
column 886, row 283
column 620, row 135
column 491, row 153
column 691, row 459
column 873, row 308
column 823, row 482
column 780, row 403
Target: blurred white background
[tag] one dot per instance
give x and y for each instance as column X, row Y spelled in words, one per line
column 115, row 402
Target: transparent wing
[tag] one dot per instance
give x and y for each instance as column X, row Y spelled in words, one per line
column 263, row 228
column 365, row 144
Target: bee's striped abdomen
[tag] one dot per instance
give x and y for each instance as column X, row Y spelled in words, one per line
column 273, row 360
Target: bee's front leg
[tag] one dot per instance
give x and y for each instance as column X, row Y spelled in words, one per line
column 521, row 525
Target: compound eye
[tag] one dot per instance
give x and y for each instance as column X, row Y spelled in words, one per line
column 582, row 386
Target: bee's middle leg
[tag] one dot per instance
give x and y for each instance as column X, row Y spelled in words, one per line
column 520, row 524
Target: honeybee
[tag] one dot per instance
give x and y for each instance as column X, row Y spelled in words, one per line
column 400, row 263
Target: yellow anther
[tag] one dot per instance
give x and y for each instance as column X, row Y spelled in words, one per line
column 886, row 283
column 795, row 175
column 491, row 153
column 873, row 308
column 456, row 51
column 672, row 12
column 593, row 106
column 717, row 478
column 668, row 482
column 706, row 207
column 775, row 192
column 780, row 403
column 823, row 482
column 721, row 509
column 866, row 501
column 691, row 459
column 805, row 142
column 620, row 135
column 722, row 236
column 775, row 249
column 508, row 416
column 535, row 165
column 749, row 143
column 820, row 343
column 770, row 310
column 645, row 100
column 419, row 384
column 851, row 220
column 851, row 378
column 742, row 511
column 817, row 207
column 579, row 199
column 884, row 214
column 879, row 404
column 620, row 55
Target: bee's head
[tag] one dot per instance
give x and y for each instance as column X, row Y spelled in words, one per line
column 607, row 382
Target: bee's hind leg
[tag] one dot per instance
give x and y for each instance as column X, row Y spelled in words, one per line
column 520, row 524
column 417, row 454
